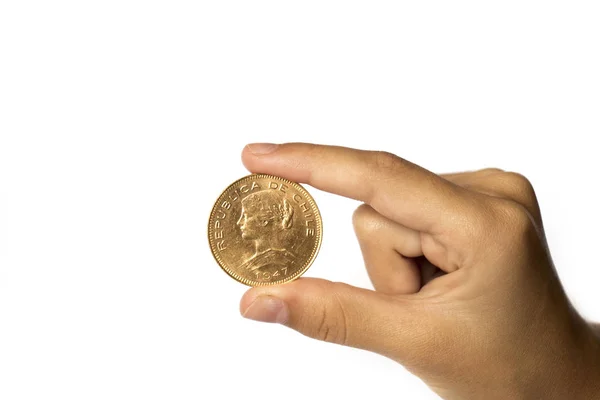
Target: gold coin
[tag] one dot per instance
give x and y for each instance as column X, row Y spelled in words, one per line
column 265, row 230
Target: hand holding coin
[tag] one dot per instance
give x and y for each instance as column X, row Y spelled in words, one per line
column 466, row 296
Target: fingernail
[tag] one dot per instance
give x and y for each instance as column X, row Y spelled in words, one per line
column 267, row 309
column 261, row 148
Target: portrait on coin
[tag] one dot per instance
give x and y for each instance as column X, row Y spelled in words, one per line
column 266, row 219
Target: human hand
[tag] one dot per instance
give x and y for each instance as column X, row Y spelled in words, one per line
column 466, row 296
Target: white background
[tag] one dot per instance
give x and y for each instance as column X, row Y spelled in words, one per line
column 122, row 121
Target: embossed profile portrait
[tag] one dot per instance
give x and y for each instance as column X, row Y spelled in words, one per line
column 267, row 219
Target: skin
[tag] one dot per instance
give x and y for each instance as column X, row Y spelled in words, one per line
column 466, row 295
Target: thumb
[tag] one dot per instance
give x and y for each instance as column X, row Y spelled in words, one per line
column 336, row 313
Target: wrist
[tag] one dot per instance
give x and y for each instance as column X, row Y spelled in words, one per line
column 569, row 370
column 585, row 383
column 562, row 362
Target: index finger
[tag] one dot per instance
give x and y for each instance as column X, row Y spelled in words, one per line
column 396, row 188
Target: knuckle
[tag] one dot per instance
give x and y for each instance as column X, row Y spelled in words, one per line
column 363, row 219
column 501, row 227
column 520, row 183
column 522, row 191
column 386, row 161
column 491, row 170
column 498, row 224
column 361, row 213
column 515, row 222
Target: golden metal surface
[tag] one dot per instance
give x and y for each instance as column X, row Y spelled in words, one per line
column 265, row 230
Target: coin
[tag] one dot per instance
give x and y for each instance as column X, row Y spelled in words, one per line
column 265, row 230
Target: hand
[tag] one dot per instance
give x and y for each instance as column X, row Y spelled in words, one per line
column 466, row 296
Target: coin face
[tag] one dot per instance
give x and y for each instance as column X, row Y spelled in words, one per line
column 265, row 230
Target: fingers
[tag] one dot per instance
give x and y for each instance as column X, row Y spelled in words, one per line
column 337, row 313
column 394, row 187
column 386, row 247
